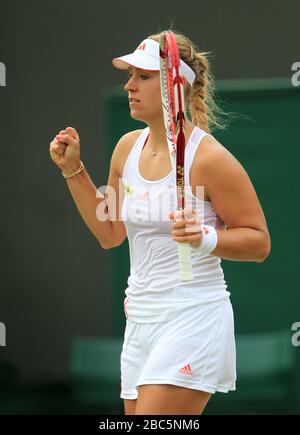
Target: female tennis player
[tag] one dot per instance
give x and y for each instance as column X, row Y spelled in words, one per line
column 179, row 344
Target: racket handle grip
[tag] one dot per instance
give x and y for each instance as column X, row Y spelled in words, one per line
column 185, row 262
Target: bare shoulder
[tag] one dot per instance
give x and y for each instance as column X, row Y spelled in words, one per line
column 123, row 148
column 217, row 169
column 211, row 149
column 229, row 187
column 214, row 158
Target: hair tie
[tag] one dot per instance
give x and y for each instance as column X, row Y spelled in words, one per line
column 192, row 53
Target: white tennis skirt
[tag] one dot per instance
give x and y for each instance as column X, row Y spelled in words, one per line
column 194, row 350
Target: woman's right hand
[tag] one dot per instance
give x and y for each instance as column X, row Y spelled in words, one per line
column 65, row 150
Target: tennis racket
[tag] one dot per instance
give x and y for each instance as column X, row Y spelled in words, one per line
column 172, row 95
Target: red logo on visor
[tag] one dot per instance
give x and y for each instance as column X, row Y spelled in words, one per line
column 142, row 46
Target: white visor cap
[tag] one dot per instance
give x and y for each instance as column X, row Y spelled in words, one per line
column 146, row 56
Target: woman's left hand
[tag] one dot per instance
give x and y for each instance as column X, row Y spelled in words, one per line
column 186, row 227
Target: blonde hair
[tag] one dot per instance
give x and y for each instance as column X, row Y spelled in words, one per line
column 200, row 98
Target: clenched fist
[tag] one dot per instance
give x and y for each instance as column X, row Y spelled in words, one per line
column 65, row 150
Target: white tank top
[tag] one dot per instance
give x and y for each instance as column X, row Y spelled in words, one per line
column 154, row 292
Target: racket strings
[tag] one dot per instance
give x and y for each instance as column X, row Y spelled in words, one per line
column 172, row 105
column 169, row 100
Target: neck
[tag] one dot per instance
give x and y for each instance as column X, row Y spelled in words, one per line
column 157, row 141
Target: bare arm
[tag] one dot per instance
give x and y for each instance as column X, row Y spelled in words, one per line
column 100, row 213
column 235, row 201
column 84, row 194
